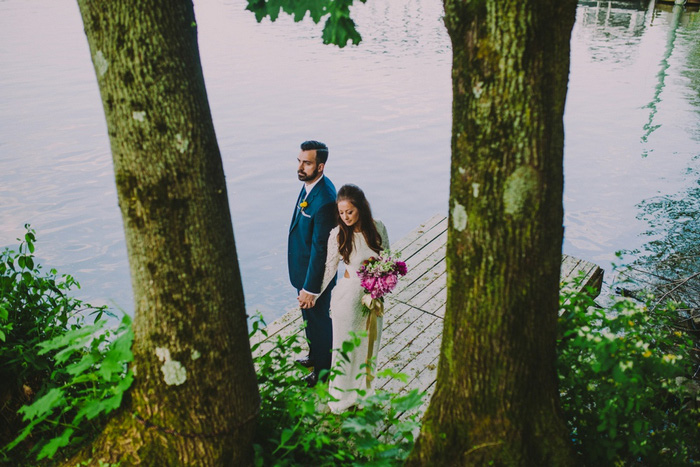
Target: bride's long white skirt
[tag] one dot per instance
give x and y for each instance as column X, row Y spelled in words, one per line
column 346, row 313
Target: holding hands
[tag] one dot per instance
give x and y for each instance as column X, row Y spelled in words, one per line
column 306, row 300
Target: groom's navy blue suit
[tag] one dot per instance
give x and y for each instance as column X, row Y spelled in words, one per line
column 306, row 256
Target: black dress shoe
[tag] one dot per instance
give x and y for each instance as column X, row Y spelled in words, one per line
column 306, row 362
column 311, row 379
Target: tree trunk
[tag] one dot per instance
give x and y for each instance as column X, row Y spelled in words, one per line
column 496, row 398
column 195, row 398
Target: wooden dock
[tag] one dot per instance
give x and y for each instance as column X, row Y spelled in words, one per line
column 414, row 311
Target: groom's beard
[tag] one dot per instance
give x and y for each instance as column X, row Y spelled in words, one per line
column 303, row 177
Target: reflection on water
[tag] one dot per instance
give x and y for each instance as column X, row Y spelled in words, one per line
column 650, row 126
column 383, row 108
column 622, row 62
column 613, row 28
column 668, row 263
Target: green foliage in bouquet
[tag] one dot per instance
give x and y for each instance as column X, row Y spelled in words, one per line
column 56, row 373
column 625, row 382
column 295, row 427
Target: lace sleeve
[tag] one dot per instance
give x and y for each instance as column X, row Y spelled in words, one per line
column 332, row 259
column 381, row 229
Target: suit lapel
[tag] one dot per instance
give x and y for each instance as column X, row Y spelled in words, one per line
column 309, row 198
column 316, row 189
column 295, row 215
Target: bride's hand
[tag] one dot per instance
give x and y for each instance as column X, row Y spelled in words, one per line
column 306, row 300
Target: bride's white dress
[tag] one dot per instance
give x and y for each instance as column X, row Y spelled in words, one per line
column 346, row 313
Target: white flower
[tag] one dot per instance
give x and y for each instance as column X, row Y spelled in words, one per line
column 670, row 358
column 626, row 365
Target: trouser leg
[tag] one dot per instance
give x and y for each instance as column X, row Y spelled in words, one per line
column 319, row 331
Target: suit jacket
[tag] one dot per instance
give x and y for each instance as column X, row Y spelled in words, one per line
column 308, row 237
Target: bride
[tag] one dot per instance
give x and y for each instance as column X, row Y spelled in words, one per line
column 356, row 238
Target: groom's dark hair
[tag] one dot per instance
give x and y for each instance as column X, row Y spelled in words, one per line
column 321, row 150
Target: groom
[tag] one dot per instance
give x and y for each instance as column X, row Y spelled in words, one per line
column 314, row 217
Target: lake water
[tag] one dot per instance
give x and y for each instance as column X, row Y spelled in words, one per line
column 632, row 129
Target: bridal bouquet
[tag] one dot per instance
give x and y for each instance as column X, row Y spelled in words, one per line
column 379, row 275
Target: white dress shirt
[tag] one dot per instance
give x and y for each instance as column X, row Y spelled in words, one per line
column 309, row 187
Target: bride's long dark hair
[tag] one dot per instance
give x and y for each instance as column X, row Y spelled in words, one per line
column 354, row 195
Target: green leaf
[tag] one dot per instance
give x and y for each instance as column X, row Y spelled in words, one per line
column 340, row 28
column 317, row 9
column 286, row 436
column 71, row 341
column 618, row 374
column 637, row 426
column 347, row 347
column 55, row 444
column 45, row 404
column 410, row 401
column 91, row 409
column 23, row 434
column 85, row 363
column 357, row 425
column 390, row 373
column 112, row 403
column 259, row 8
column 125, row 383
column 119, row 353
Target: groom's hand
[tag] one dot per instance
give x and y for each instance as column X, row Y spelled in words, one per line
column 306, row 300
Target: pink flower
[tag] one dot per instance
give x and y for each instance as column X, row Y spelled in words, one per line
column 401, row 268
column 390, row 282
column 368, row 283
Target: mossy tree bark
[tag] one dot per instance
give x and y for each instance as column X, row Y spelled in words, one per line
column 195, row 398
column 496, row 398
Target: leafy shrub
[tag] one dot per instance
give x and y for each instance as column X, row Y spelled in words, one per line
column 66, row 371
column 624, row 378
column 294, row 427
column 92, row 362
column 35, row 308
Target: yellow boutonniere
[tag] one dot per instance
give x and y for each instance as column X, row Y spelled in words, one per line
column 303, row 204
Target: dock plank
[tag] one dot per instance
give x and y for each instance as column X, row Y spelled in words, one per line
column 418, row 232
